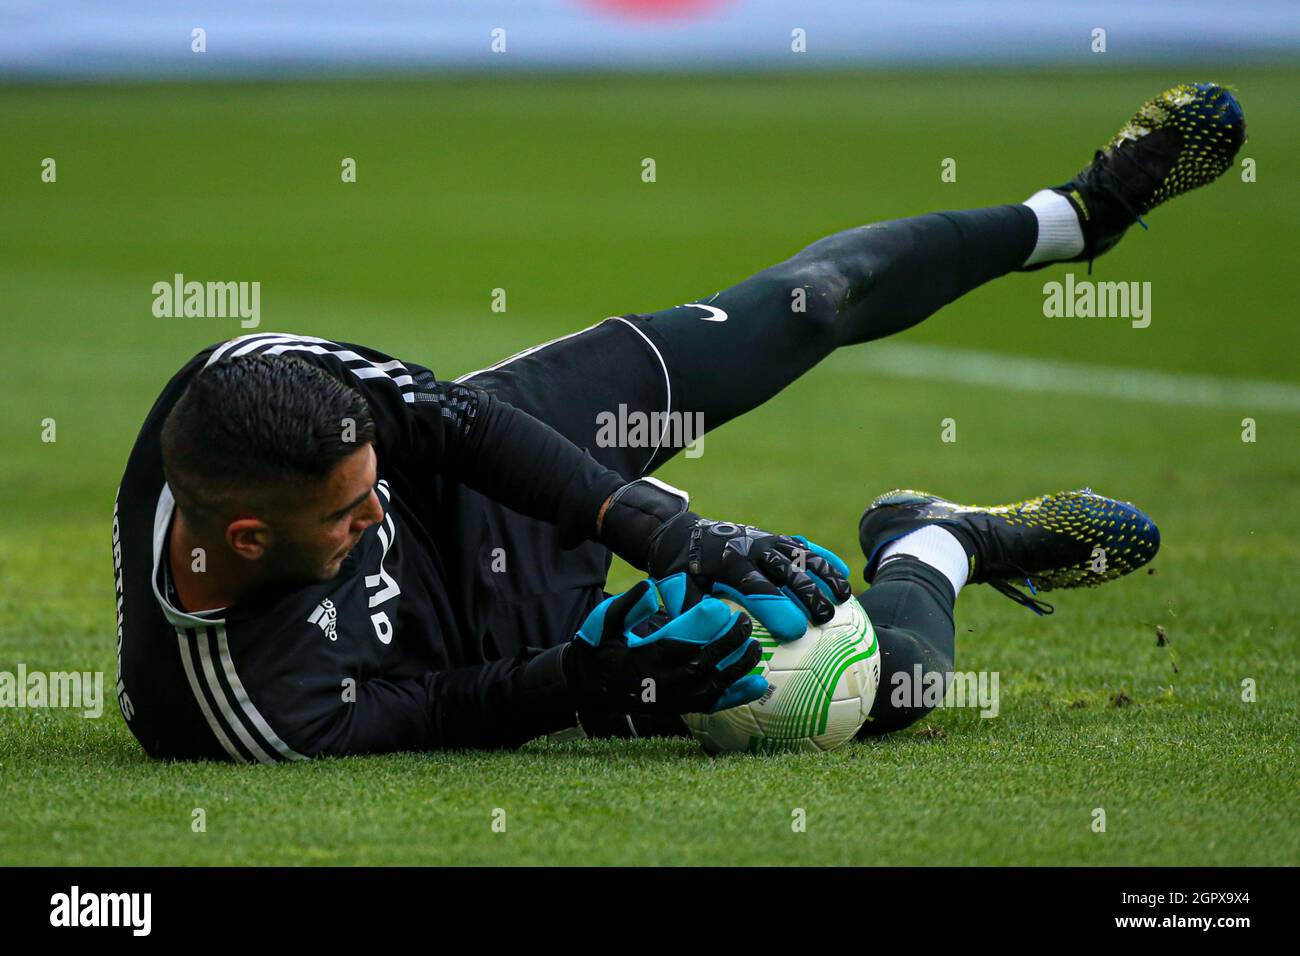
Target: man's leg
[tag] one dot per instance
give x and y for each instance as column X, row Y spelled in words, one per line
column 922, row 550
column 910, row 605
column 734, row 350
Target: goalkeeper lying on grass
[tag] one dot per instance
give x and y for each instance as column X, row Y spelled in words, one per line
column 322, row 550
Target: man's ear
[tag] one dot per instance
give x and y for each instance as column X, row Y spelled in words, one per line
column 248, row 537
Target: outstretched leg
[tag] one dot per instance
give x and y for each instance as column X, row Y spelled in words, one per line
column 733, row 351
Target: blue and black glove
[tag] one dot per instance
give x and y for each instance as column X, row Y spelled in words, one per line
column 630, row 657
column 784, row 581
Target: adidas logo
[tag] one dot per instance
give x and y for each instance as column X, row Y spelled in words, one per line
column 326, row 616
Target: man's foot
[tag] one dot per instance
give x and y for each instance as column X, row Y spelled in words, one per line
column 1071, row 539
column 1183, row 138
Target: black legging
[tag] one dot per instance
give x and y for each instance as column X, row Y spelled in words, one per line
column 854, row 286
column 910, row 606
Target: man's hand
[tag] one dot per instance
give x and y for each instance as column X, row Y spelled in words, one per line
column 696, row 662
column 783, row 581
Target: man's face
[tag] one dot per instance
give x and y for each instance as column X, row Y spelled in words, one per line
column 326, row 521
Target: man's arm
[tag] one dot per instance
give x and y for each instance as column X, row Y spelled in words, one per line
column 696, row 661
column 502, row 704
column 528, row 466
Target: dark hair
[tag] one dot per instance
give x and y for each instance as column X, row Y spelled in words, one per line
column 247, row 429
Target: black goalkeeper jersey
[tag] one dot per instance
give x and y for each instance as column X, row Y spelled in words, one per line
column 383, row 657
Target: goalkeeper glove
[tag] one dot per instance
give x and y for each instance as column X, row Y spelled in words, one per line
column 784, row 581
column 696, row 662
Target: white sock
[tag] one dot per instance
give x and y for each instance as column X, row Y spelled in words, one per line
column 1059, row 234
column 937, row 547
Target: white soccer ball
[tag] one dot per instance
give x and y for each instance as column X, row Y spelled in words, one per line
column 820, row 690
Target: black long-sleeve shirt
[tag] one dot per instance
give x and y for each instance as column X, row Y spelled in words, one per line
column 372, row 660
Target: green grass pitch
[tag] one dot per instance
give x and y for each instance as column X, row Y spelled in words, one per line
column 533, row 185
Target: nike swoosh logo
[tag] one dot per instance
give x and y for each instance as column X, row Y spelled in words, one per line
column 715, row 314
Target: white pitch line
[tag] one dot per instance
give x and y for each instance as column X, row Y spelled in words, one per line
column 1023, row 374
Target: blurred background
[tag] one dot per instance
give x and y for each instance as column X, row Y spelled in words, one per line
column 254, row 38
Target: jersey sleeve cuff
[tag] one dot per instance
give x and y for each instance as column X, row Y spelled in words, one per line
column 545, row 699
